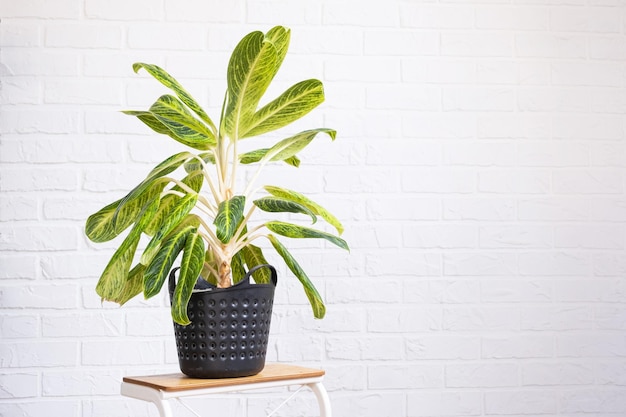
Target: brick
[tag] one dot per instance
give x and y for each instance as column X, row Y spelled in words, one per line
column 64, row 9
column 496, row 72
column 558, row 374
column 20, row 90
column 39, row 121
column 524, row 402
column 481, row 375
column 445, row 403
column 35, row 62
column 608, row 101
column 362, row 69
column 590, row 19
column 38, row 407
column 38, row 238
column 403, row 97
column 517, row 347
column 407, row 319
column 478, row 99
column 438, row 180
column 330, row 41
column 85, row 383
column 374, row 404
column 450, row 347
column 516, row 236
column 610, row 47
column 557, row 318
column 439, row 236
column 422, row 153
column 405, row 376
column 83, row 92
column 19, row 34
column 83, row 36
column 437, row 291
column 439, row 71
column 609, row 265
column 516, row 291
column 19, row 208
column 610, row 318
column 480, row 154
column 202, row 11
column 269, row 12
column 611, row 373
column 428, row 264
column 122, row 352
column 554, row 264
column 38, row 179
column 598, row 127
column 19, row 326
column 178, row 37
column 479, row 44
column 340, row 291
column 480, row 264
column 345, row 378
column 480, row 318
column 547, row 45
column 608, row 209
column 399, row 43
column 120, row 10
column 352, row 13
column 593, row 401
column 405, row 207
column 553, row 154
column 511, row 126
column 482, row 208
column 554, row 209
column 300, row 348
column 585, row 345
column 39, row 354
column 436, row 126
column 599, row 236
column 38, row 296
column 20, row 385
column 540, row 99
column 584, row 74
column 18, row 266
column 83, row 325
column 436, row 16
column 512, row 18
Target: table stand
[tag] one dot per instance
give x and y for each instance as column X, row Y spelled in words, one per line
column 159, row 389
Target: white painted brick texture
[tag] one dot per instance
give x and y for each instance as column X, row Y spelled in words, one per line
column 480, row 171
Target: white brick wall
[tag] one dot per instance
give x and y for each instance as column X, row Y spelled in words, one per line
column 480, row 170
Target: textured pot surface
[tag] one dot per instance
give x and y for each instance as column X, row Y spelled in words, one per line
column 229, row 329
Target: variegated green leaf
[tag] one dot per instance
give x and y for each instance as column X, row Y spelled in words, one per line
column 167, row 80
column 319, row 310
column 113, row 278
column 176, row 214
column 151, row 121
column 161, row 264
column 289, row 147
column 190, row 267
column 237, row 269
column 290, row 106
column 188, row 130
column 300, row 232
column 229, row 216
column 133, row 285
column 308, row 203
column 253, row 65
column 253, row 256
column 281, row 205
column 255, row 156
column 195, row 165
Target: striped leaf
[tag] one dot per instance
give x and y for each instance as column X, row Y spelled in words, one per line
column 253, row 256
column 228, row 218
column 272, row 204
column 167, row 80
column 161, row 264
column 112, row 281
column 317, row 304
column 174, row 216
column 300, row 232
column 190, row 267
column 289, row 147
column 152, row 122
column 256, row 155
column 306, row 202
column 188, row 130
column 252, row 66
column 294, row 103
column 133, row 285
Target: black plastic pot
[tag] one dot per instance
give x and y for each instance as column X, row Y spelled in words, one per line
column 229, row 328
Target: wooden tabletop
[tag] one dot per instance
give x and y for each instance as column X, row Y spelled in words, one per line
column 179, row 382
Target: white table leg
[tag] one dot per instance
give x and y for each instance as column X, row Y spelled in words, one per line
column 322, row 398
column 148, row 394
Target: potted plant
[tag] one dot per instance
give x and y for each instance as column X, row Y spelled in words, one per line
column 198, row 214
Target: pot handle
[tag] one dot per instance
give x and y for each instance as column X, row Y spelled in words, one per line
column 273, row 274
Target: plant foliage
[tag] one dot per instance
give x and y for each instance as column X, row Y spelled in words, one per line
column 201, row 218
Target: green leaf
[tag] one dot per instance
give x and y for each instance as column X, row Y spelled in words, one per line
column 252, row 66
column 299, row 232
column 99, row 226
column 167, row 80
column 317, row 304
column 289, row 147
column 113, row 279
column 175, row 215
column 195, row 165
column 161, row 264
column 188, row 130
column 237, row 270
column 257, row 155
column 294, row 103
column 228, row 218
column 152, row 122
column 281, row 205
column 190, row 267
column 253, row 256
column 133, row 285
column 306, row 202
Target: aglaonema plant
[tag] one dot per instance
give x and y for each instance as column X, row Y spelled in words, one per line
column 188, row 205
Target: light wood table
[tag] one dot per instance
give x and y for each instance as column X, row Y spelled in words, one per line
column 160, row 389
